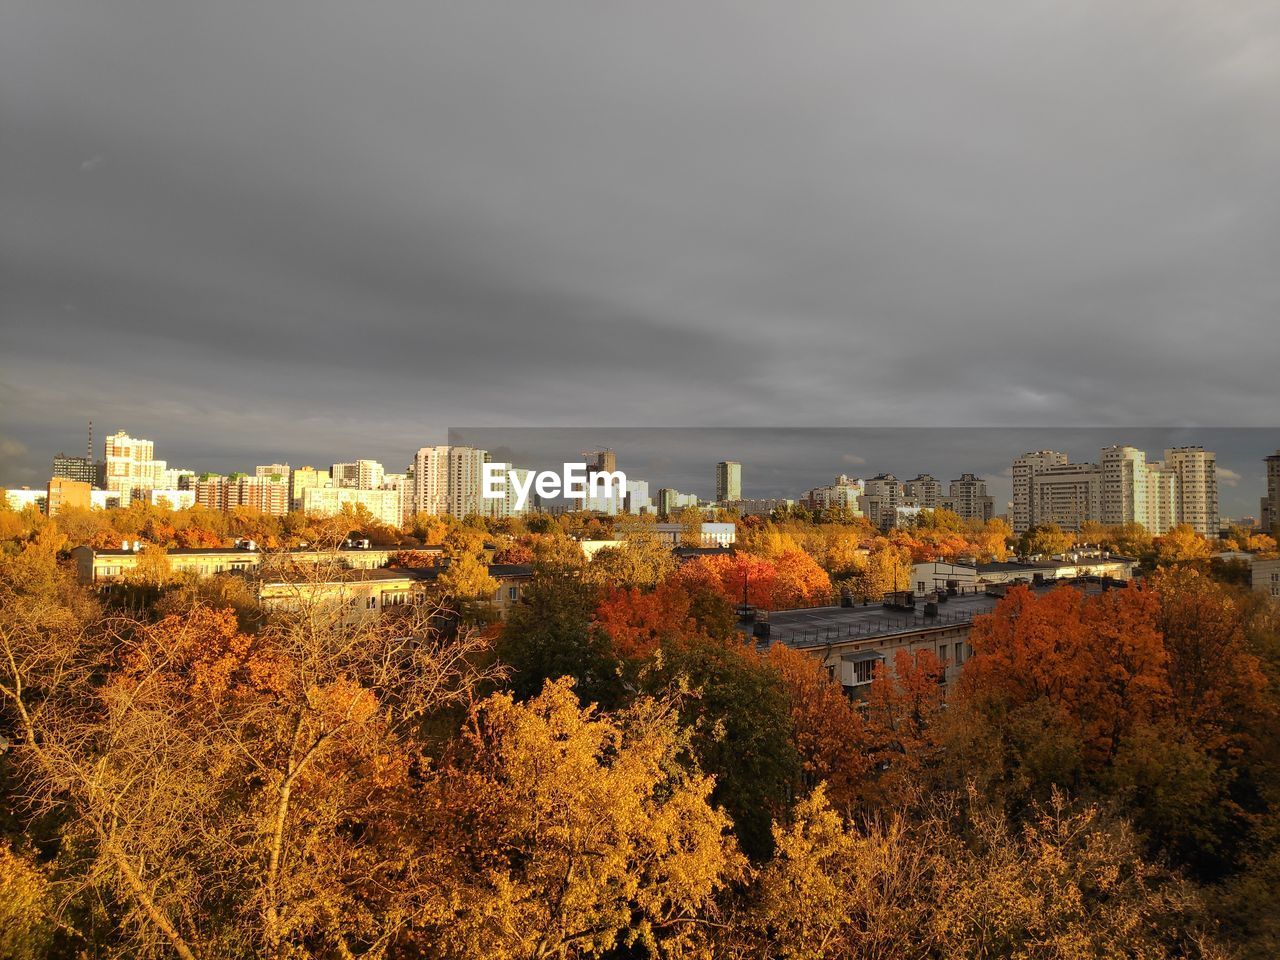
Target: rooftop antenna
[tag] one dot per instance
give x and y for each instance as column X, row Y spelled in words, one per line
column 89, row 449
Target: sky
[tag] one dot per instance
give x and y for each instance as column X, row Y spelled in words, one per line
column 316, row 231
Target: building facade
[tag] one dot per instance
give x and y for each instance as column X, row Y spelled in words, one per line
column 881, row 500
column 130, row 466
column 728, row 481
column 1269, row 512
column 924, row 491
column 82, row 469
column 967, row 498
column 64, row 493
column 1196, row 470
column 1024, row 472
column 384, row 505
column 358, row 475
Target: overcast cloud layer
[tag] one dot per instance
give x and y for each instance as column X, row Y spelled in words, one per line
column 317, row 231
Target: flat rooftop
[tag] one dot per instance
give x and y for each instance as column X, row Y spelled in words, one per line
column 818, row 625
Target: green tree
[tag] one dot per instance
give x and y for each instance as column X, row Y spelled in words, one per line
column 740, row 714
column 550, row 634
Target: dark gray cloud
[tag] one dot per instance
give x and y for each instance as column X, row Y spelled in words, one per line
column 324, row 230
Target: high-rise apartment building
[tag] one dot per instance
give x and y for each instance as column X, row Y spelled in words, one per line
column 1162, row 499
column 1269, row 513
column 637, row 498
column 82, row 469
column 606, row 462
column 881, row 499
column 670, row 500
column 306, row 478
column 924, row 491
column 728, row 481
column 842, row 494
column 268, row 494
column 130, row 465
column 967, row 498
column 447, row 480
column 1197, row 473
column 358, row 475
column 280, row 470
column 1025, row 469
column 1124, row 486
column 1067, row 494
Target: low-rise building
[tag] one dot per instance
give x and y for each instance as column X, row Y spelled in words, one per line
column 1266, row 576
column 385, row 505
column 99, row 567
column 709, row 534
column 366, row 593
column 63, row 494
column 172, row 499
column 19, row 498
column 968, row 577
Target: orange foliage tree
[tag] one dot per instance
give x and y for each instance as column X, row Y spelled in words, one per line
column 791, row 579
column 826, row 728
column 1099, row 661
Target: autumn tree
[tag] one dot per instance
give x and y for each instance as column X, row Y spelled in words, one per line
column 827, row 730
column 26, row 907
column 1180, row 545
column 740, row 717
column 641, row 561
column 991, row 541
column 560, row 831
column 638, row 621
column 230, row 794
column 1065, row 884
column 467, row 585
column 887, row 568
column 550, row 634
column 1059, row 679
column 1045, row 540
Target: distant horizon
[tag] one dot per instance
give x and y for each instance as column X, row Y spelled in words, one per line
column 781, row 462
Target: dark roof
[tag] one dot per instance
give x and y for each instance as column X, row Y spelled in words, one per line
column 1010, row 566
column 232, row 551
column 343, row 575
column 688, row 553
column 510, row 570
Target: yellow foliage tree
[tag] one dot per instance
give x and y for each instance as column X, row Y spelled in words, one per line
column 562, row 832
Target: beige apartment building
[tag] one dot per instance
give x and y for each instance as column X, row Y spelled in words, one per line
column 359, row 474
column 842, row 494
column 447, row 480
column 967, row 497
column 924, row 491
column 385, row 505
column 266, row 494
column 129, row 465
column 101, row 567
column 1123, row 487
column 64, row 493
column 1196, row 470
column 1067, row 494
column 1025, row 469
column 306, row 478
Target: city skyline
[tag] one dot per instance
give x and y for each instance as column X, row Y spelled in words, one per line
column 781, row 469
